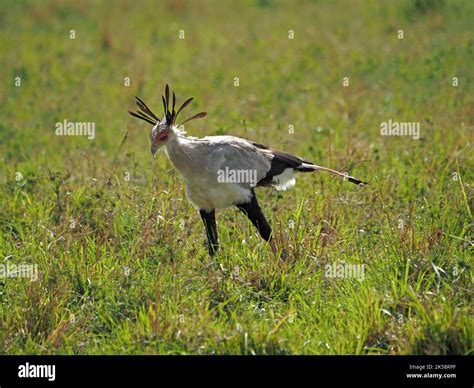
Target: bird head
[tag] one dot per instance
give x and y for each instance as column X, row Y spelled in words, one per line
column 163, row 129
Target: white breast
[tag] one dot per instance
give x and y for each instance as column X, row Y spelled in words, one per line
column 198, row 161
column 214, row 195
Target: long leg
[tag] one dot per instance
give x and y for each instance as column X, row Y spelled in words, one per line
column 255, row 215
column 209, row 219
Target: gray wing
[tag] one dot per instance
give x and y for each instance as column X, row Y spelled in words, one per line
column 236, row 154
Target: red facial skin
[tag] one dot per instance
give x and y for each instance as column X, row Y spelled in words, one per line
column 161, row 138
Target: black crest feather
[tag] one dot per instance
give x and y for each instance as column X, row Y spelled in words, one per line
column 196, row 116
column 144, row 118
column 146, row 114
column 145, row 109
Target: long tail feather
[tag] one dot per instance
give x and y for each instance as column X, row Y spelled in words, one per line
column 313, row 167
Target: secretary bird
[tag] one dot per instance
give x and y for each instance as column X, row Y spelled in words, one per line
column 203, row 162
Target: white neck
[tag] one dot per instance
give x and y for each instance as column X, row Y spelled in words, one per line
column 179, row 151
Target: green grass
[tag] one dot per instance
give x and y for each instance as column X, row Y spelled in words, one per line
column 76, row 216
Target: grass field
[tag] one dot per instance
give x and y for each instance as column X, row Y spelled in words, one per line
column 120, row 253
